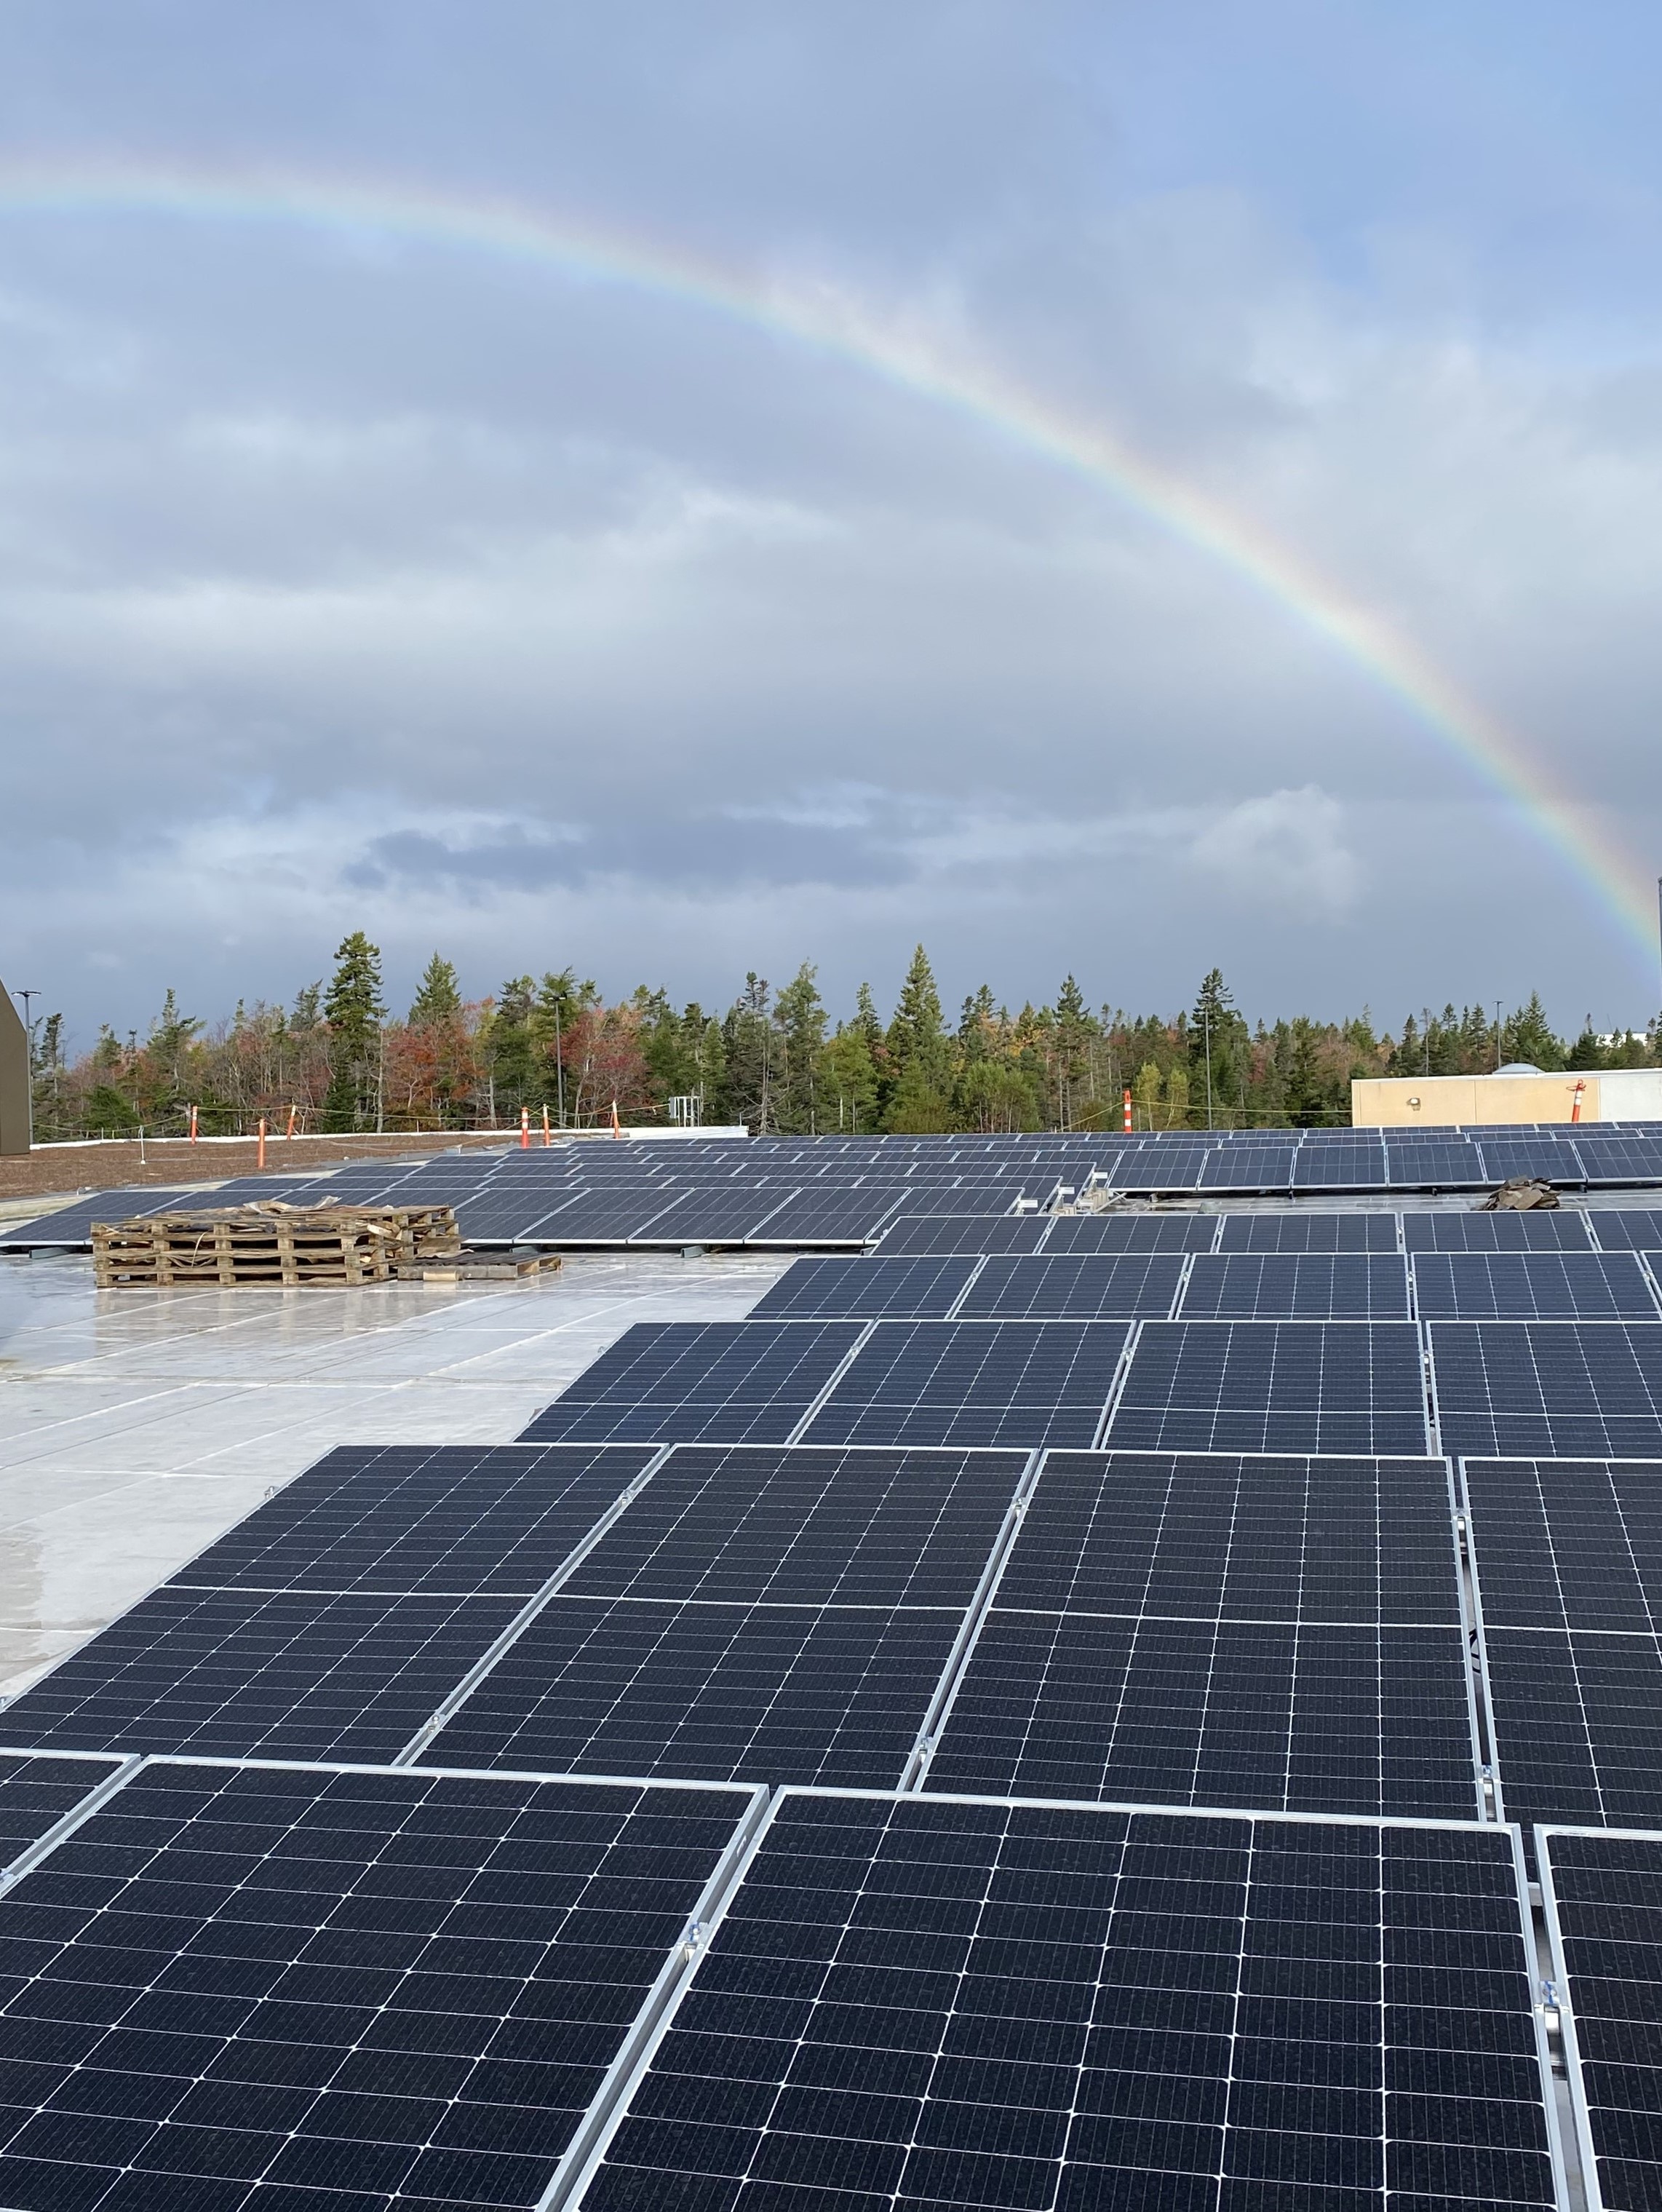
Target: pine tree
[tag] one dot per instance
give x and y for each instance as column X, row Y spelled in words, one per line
column 799, row 1017
column 851, row 1081
column 354, row 1011
column 748, row 1041
column 308, row 1008
column 919, row 1054
column 438, row 999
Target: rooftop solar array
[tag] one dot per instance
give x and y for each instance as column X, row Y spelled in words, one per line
column 1161, row 1628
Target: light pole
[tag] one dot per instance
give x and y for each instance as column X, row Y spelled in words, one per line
column 1497, row 1036
column 28, row 1033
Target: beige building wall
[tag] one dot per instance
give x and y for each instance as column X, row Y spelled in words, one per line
column 1454, row 1101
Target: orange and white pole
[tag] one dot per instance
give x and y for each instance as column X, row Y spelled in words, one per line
column 548, row 1133
column 260, row 1161
column 524, row 1128
column 1575, row 1103
column 1128, row 1113
column 193, row 1125
column 293, row 1113
column 617, row 1126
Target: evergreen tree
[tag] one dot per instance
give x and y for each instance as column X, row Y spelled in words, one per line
column 516, row 1073
column 920, row 1057
column 851, row 1081
column 747, row 1039
column 354, row 1011
column 308, row 1008
column 1528, row 1036
column 799, row 1017
column 438, row 999
column 713, row 1073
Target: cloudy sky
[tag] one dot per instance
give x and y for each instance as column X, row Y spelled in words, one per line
column 355, row 571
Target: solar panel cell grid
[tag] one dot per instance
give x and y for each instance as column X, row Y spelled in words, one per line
column 37, row 1793
column 1538, row 1230
column 460, row 1519
column 1076, row 1286
column 915, row 2004
column 1132, row 1232
column 241, row 1673
column 1568, row 1566
column 1625, row 1233
column 1024, row 1384
column 1309, row 1232
column 864, row 1290
column 1533, row 1286
column 725, row 1381
column 808, row 1527
column 233, row 1985
column 1273, row 1387
column 1296, row 1286
column 926, row 1235
column 1602, row 1894
column 1282, row 1633
column 708, row 1692
column 1555, row 1390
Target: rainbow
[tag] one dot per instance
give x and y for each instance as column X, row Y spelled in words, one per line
column 832, row 325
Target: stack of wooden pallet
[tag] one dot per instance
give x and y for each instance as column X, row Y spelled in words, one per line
column 270, row 1243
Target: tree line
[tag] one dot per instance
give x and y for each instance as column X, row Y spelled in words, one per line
column 552, row 1047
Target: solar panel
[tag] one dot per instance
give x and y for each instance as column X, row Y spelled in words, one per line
column 500, row 1218
column 1568, row 1566
column 1273, row 1387
column 1014, row 1382
column 1533, row 1286
column 1309, row 1232
column 1074, row 1285
column 1562, row 1389
column 244, row 1673
column 1610, row 1158
column 1248, row 1166
column 713, row 1217
column 1340, row 1167
column 864, row 1290
column 247, row 1984
column 38, row 1791
column 1132, row 1232
column 1623, row 1232
column 808, row 1527
column 1432, row 1163
column 1600, row 1893
column 1549, row 1158
column 1296, row 1286
column 914, row 2001
column 602, row 1217
column 460, row 1519
column 70, row 1228
column 1276, row 1632
column 753, row 1692
column 1538, row 1230
column 724, row 1381
column 826, row 1217
column 922, row 1234
column 1154, row 1166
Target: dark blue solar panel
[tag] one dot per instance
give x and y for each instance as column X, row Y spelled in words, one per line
column 1224, row 1631
column 1132, row 1232
column 1601, row 1893
column 1018, row 1383
column 1248, row 1165
column 457, row 1519
column 919, row 2003
column 1340, row 1167
column 1075, row 1285
column 1625, row 1233
column 37, row 1792
column 1568, row 1557
column 1309, row 1232
column 1610, row 1159
column 1533, row 1286
column 706, row 1691
column 1546, row 1157
column 1540, row 1228
column 864, row 1290
column 1552, row 1389
column 826, row 1217
column 1432, row 1163
column 1296, row 1286
column 70, row 1227
column 808, row 1527
column 920, row 1235
column 248, row 1986
column 724, row 1381
column 1273, row 1387
column 238, row 1674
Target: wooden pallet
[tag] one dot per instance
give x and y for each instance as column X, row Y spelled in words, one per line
column 271, row 1244
column 467, row 1266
